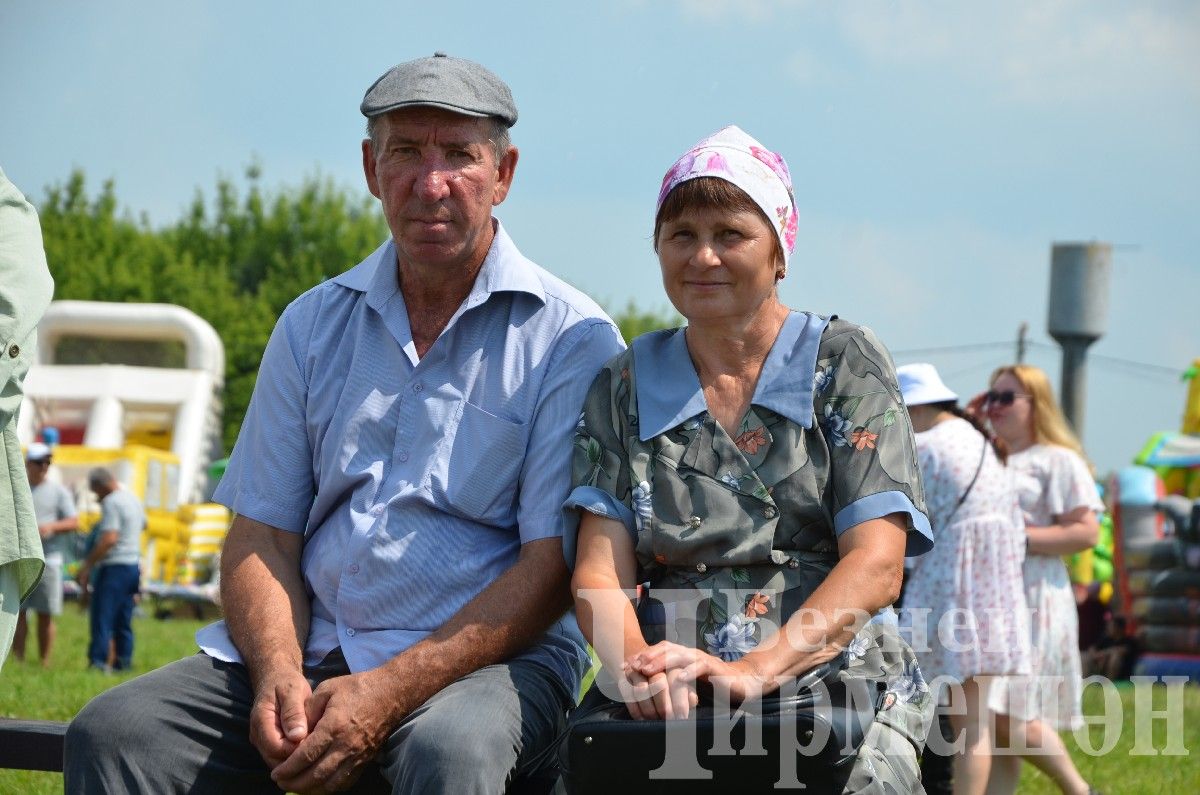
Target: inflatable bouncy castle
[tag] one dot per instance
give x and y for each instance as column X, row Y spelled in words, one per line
column 135, row 388
column 1156, row 524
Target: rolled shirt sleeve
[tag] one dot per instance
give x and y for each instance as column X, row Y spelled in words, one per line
column 270, row 474
column 546, row 471
column 600, row 472
column 873, row 461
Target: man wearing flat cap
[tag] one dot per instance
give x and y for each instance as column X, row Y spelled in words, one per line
column 393, row 583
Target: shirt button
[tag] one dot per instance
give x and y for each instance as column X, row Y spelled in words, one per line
column 694, row 522
column 700, row 567
column 417, row 387
column 770, row 512
column 14, row 351
column 350, row 632
column 403, row 457
column 377, row 509
column 354, row 568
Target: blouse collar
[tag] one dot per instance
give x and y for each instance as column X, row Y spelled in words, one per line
column 668, row 389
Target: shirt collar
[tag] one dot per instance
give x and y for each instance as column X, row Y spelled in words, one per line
column 504, row 269
column 668, row 389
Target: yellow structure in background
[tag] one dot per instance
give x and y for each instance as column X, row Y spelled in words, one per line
column 181, row 542
column 1191, row 408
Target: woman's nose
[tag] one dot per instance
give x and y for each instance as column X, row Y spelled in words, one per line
column 705, row 255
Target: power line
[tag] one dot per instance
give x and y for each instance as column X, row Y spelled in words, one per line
column 1157, row 369
column 979, row 346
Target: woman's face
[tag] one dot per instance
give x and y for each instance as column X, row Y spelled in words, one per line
column 1013, row 422
column 717, row 264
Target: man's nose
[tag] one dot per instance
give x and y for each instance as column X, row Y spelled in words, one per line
column 433, row 183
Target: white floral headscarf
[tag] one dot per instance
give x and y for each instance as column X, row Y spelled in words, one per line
column 732, row 155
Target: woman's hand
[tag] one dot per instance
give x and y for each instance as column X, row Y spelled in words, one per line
column 683, row 667
column 661, row 695
column 975, row 406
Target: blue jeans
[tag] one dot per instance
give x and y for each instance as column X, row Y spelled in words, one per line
column 111, row 613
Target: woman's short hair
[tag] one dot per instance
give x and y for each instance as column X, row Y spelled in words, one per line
column 711, row 193
column 1049, row 424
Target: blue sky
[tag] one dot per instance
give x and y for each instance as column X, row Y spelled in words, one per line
column 938, row 148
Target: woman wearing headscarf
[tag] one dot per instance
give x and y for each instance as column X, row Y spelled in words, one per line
column 967, row 595
column 1059, row 501
column 756, row 470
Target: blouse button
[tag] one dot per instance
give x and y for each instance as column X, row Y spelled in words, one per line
column 770, row 512
column 700, row 567
column 14, row 351
column 694, row 522
column 793, row 563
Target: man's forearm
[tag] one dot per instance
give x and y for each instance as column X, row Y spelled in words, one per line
column 266, row 607
column 63, row 525
column 504, row 619
column 104, row 543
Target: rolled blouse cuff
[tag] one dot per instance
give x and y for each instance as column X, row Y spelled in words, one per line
column 599, row 502
column 874, row 506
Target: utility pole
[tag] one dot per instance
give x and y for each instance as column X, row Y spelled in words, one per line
column 1022, row 330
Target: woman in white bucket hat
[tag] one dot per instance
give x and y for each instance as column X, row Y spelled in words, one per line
column 967, row 592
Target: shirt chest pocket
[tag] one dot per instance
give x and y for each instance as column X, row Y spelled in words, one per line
column 480, row 466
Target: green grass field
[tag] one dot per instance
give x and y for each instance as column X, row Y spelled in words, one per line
column 28, row 691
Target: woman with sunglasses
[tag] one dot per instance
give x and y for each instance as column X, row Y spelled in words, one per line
column 1059, row 500
column 968, row 592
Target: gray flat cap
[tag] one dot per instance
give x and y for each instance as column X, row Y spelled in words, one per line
column 443, row 82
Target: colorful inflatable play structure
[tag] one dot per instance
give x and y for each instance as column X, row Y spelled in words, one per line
column 136, row 388
column 1156, row 532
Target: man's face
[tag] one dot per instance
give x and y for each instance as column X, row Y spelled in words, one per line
column 36, row 471
column 437, row 176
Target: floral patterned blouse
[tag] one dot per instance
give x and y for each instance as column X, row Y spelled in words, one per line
column 733, row 534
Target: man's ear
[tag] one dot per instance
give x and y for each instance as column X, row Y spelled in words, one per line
column 505, row 170
column 368, row 155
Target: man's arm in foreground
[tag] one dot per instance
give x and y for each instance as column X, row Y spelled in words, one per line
column 267, row 614
column 352, row 715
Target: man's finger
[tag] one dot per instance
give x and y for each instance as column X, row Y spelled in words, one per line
column 294, row 772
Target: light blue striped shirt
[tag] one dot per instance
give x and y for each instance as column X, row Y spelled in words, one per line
column 415, row 481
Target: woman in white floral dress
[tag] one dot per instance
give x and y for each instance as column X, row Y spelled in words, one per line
column 757, row 470
column 966, row 596
column 1059, row 500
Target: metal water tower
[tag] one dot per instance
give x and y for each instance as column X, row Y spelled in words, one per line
column 1079, row 278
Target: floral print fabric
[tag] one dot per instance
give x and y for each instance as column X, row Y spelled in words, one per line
column 1050, row 481
column 975, row 564
column 740, row 529
column 736, row 157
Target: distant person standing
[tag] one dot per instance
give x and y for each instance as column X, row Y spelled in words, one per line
column 1059, row 501
column 114, row 555
column 54, row 508
column 25, row 290
column 974, row 570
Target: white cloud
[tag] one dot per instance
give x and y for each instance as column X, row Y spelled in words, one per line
column 1038, row 52
column 752, row 10
column 1033, row 52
